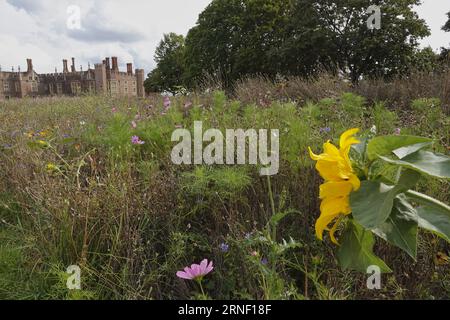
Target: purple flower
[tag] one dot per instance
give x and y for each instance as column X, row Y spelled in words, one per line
column 224, row 247
column 248, row 235
column 326, row 129
column 196, row 271
column 166, row 102
column 136, row 140
column 264, row 261
column 398, row 131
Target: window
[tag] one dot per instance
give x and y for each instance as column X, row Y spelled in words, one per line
column 5, row 86
column 34, row 87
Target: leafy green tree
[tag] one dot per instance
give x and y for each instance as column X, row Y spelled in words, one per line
column 446, row 27
column 344, row 38
column 445, row 52
column 169, row 56
column 236, row 38
column 425, row 60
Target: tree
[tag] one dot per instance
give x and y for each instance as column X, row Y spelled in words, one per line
column 445, row 52
column 169, row 57
column 446, row 27
column 346, row 41
column 236, row 38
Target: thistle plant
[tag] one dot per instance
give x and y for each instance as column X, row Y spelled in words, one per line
column 364, row 200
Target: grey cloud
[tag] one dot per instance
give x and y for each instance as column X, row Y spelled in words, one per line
column 30, row 6
column 94, row 29
column 102, row 34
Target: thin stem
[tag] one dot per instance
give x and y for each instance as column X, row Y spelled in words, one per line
column 424, row 199
column 272, row 205
column 201, row 288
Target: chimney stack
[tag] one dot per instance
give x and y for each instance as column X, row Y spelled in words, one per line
column 65, row 69
column 130, row 69
column 115, row 67
column 73, row 65
column 108, row 65
column 30, row 65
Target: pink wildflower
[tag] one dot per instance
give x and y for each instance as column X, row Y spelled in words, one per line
column 196, row 271
column 136, row 140
column 166, row 102
column 133, row 124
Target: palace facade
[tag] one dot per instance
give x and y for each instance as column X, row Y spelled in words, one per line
column 104, row 78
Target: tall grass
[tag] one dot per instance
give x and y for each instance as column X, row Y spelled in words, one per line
column 130, row 218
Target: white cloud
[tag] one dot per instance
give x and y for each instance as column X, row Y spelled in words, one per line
column 129, row 29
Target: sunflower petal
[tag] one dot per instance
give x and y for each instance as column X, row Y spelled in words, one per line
column 322, row 224
column 333, row 230
column 335, row 189
column 347, row 138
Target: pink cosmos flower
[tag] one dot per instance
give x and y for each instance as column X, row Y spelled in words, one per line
column 133, row 124
column 196, row 271
column 136, row 140
column 166, row 102
column 187, row 105
column 114, row 110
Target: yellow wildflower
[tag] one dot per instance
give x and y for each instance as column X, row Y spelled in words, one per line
column 335, row 168
column 42, row 143
column 51, row 167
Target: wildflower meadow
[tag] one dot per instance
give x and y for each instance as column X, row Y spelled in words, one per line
column 88, row 183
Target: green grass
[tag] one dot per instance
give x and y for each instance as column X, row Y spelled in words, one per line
column 130, row 218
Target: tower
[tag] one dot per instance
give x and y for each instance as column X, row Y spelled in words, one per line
column 140, row 83
column 29, row 65
column 65, row 69
column 100, row 78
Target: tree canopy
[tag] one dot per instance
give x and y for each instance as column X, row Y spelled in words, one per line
column 238, row 38
column 446, row 27
column 169, row 56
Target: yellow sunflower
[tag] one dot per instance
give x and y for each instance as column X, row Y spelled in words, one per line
column 335, row 168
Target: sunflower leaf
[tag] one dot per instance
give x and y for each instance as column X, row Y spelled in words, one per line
column 385, row 145
column 356, row 249
column 372, row 204
column 401, row 228
column 436, row 165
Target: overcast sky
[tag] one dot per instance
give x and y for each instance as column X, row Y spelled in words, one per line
column 129, row 29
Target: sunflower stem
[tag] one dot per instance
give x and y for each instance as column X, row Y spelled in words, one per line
column 424, row 199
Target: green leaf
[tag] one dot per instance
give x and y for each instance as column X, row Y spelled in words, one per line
column 436, row 220
column 276, row 218
column 406, row 151
column 372, row 203
column 356, row 249
column 401, row 227
column 436, row 165
column 361, row 147
column 408, row 179
column 381, row 146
